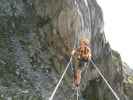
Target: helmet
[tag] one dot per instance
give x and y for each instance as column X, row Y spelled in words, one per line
column 84, row 40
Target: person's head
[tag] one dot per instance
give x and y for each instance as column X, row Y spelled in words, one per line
column 84, row 41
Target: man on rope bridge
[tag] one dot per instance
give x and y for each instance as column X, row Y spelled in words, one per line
column 81, row 56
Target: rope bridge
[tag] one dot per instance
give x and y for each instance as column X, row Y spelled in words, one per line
column 97, row 69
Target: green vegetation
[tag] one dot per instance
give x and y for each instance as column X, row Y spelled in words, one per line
column 130, row 80
column 116, row 57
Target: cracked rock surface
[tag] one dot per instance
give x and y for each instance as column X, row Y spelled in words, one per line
column 36, row 39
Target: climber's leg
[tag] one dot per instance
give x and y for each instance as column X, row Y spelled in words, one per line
column 76, row 78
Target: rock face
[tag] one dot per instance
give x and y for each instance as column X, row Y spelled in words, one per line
column 128, row 81
column 36, row 38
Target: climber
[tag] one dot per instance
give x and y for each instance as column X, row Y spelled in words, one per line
column 82, row 55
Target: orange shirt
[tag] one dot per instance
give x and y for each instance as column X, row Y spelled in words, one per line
column 84, row 52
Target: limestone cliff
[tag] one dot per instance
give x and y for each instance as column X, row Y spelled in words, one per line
column 36, row 37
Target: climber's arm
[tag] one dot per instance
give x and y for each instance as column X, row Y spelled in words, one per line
column 89, row 53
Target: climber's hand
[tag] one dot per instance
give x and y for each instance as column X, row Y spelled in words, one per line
column 73, row 52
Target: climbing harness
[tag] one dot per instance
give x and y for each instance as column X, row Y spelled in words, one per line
column 114, row 93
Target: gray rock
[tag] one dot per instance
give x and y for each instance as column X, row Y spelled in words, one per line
column 36, row 39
